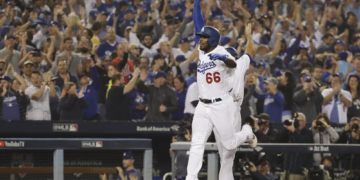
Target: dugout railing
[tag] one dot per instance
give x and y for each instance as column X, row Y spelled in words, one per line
column 58, row 145
column 213, row 159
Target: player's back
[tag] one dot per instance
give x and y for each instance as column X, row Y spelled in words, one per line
column 213, row 75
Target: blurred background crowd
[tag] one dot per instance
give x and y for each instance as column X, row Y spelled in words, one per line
column 133, row 60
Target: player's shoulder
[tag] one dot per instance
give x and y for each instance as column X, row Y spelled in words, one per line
column 221, row 50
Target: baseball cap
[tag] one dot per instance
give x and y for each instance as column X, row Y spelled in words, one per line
column 160, row 74
column 128, row 155
column 184, row 40
column 192, row 66
column 307, row 78
column 54, row 23
column 6, row 78
column 28, row 62
column 10, row 37
column 158, row 56
column 272, row 80
column 330, row 25
column 180, row 58
column 328, row 63
column 277, row 73
column 339, row 41
column 343, row 55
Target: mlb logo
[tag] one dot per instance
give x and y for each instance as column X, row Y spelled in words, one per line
column 99, row 144
column 73, row 128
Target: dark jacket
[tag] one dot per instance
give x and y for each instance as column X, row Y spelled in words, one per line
column 22, row 101
column 157, row 96
column 117, row 104
column 72, row 108
column 307, row 102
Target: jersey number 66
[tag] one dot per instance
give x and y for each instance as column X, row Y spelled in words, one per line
column 213, row 77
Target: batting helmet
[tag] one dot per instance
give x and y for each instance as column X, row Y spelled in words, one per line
column 211, row 33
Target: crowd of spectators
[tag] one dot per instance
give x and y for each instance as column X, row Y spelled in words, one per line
column 133, row 60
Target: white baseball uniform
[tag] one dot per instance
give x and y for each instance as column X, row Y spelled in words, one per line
column 237, row 81
column 214, row 80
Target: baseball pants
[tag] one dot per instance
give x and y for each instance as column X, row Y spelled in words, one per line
column 222, row 118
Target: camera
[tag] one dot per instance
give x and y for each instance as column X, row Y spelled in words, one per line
column 293, row 121
column 319, row 126
column 244, row 165
column 355, row 127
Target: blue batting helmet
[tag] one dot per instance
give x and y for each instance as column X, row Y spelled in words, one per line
column 211, row 33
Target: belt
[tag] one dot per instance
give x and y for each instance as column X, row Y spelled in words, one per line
column 209, row 101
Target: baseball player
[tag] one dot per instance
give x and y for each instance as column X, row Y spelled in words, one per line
column 216, row 110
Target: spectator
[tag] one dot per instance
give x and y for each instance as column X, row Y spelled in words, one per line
column 90, row 86
column 162, row 99
column 180, row 90
column 27, row 71
column 307, row 97
column 323, row 133
column 117, row 104
column 296, row 132
column 39, row 93
column 351, row 135
column 122, row 61
column 63, row 75
column 9, row 53
column 274, row 101
column 247, row 106
column 262, row 171
column 336, row 101
column 356, row 63
column 138, row 102
column 111, row 72
column 13, row 101
column 109, row 46
column 72, row 59
column 72, row 104
column 353, row 87
column 128, row 170
column 181, row 157
column 328, row 162
column 286, row 87
column 265, row 133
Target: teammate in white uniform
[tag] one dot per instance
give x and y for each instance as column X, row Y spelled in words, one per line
column 216, row 110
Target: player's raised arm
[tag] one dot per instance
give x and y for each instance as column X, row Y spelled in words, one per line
column 198, row 19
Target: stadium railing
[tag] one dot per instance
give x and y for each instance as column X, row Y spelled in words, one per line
column 213, row 161
column 61, row 144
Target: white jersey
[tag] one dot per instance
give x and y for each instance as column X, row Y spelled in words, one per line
column 238, row 84
column 213, row 76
